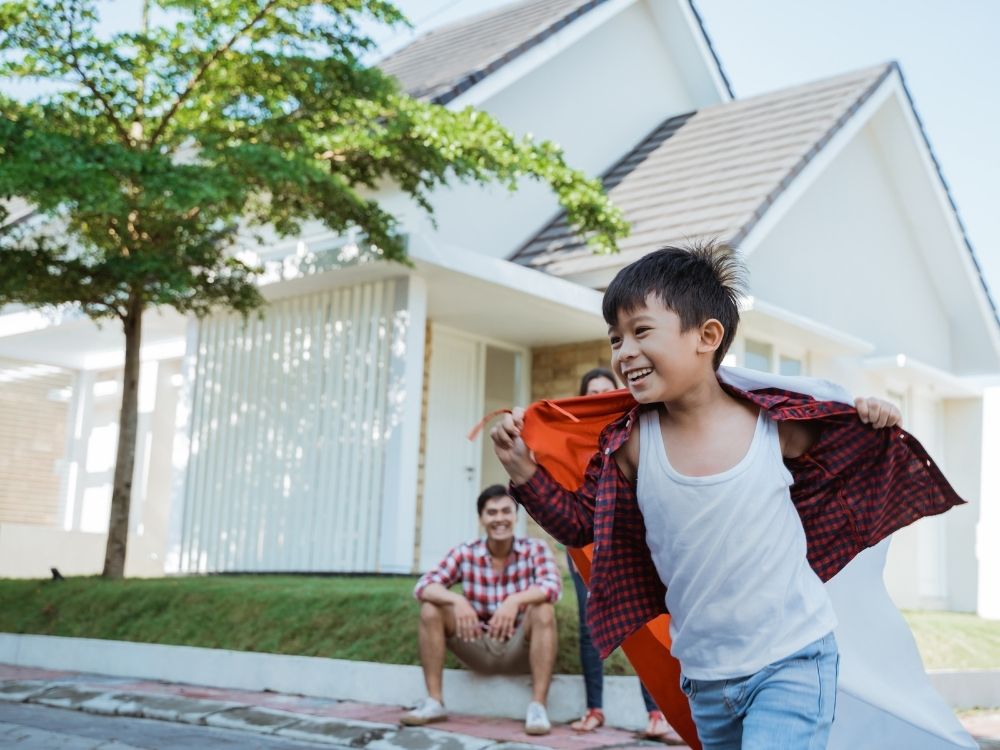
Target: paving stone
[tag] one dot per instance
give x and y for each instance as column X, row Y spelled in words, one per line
column 169, row 707
column 251, row 719
column 66, row 696
column 21, row 690
column 419, row 738
column 339, row 731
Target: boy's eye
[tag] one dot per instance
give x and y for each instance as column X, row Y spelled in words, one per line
column 615, row 341
column 641, row 330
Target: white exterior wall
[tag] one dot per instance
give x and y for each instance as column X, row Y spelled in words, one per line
column 584, row 99
column 846, row 241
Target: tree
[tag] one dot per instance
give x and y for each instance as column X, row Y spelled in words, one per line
column 159, row 143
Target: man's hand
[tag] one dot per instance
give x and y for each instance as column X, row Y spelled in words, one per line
column 466, row 621
column 501, row 625
column 510, row 448
column 877, row 413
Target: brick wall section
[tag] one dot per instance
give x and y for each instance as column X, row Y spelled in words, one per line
column 556, row 370
column 556, row 373
column 422, row 456
column 34, row 408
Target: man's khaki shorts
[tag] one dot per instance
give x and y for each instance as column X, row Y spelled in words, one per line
column 490, row 656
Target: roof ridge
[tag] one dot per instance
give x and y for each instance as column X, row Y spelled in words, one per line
column 539, row 32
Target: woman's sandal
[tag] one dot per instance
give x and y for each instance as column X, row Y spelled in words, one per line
column 657, row 728
column 590, row 721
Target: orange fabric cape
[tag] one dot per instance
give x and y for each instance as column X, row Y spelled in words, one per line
column 564, row 437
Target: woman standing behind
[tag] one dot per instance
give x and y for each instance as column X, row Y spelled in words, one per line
column 600, row 380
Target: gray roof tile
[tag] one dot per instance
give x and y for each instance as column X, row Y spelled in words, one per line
column 711, row 173
column 444, row 62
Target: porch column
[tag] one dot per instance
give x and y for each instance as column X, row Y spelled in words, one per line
column 988, row 530
column 399, row 497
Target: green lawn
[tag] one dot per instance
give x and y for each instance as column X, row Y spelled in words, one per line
column 950, row 640
column 364, row 618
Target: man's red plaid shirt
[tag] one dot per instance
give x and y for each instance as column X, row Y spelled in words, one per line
column 530, row 564
column 852, row 489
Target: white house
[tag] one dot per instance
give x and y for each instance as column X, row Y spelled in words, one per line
column 330, row 436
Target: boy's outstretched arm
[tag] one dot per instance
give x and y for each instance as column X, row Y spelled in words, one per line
column 798, row 437
column 567, row 516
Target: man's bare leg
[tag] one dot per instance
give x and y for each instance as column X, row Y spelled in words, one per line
column 436, row 624
column 540, row 630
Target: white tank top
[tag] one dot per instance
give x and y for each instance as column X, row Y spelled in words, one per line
column 731, row 551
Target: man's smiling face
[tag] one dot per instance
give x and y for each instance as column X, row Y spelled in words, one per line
column 498, row 518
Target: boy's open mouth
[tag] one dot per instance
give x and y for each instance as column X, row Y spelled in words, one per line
column 634, row 376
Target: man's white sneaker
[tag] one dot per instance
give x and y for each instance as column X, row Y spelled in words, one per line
column 426, row 711
column 537, row 720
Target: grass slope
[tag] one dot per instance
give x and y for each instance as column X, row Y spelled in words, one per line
column 361, row 618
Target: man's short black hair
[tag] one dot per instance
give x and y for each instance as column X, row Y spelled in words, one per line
column 494, row 490
column 698, row 282
column 597, row 372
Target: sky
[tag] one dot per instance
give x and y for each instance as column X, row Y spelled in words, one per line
column 947, row 50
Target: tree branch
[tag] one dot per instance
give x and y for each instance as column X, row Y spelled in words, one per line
column 261, row 14
column 74, row 63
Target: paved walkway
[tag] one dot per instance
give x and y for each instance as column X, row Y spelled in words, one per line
column 360, row 725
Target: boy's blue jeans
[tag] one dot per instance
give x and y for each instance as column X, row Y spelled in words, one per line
column 788, row 704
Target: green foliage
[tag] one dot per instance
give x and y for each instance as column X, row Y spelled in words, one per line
column 223, row 115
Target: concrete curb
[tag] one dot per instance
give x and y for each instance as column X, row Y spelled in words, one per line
column 334, row 731
column 339, row 679
column 465, row 692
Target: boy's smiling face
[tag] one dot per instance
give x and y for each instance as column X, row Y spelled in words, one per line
column 655, row 359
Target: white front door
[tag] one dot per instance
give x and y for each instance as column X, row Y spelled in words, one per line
column 452, row 462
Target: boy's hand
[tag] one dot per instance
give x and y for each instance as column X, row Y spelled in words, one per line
column 878, row 413
column 510, row 448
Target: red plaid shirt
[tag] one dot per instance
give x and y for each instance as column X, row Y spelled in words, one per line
column 530, row 564
column 853, row 488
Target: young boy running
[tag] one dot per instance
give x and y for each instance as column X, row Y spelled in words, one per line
column 690, row 505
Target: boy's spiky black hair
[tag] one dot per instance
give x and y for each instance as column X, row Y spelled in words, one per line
column 698, row 282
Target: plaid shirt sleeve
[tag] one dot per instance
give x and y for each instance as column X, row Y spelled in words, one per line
column 447, row 572
column 567, row 516
column 546, row 573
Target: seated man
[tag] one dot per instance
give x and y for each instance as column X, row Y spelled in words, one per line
column 505, row 621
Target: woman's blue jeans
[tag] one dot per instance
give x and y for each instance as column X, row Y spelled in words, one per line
column 590, row 659
column 788, row 704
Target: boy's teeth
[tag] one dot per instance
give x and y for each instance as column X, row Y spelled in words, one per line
column 636, row 374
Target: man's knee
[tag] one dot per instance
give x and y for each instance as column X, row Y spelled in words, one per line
column 434, row 616
column 542, row 615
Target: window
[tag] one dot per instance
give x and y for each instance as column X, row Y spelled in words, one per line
column 789, row 365
column 757, row 355
column 776, row 357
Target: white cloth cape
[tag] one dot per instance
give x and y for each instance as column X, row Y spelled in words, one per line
column 885, row 700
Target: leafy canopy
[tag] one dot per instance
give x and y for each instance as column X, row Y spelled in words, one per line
column 159, row 143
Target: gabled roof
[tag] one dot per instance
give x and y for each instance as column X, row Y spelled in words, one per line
column 712, row 173
column 446, row 61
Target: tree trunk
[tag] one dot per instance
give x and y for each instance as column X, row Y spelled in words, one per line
column 121, row 495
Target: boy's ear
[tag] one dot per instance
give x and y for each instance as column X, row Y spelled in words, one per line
column 710, row 336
